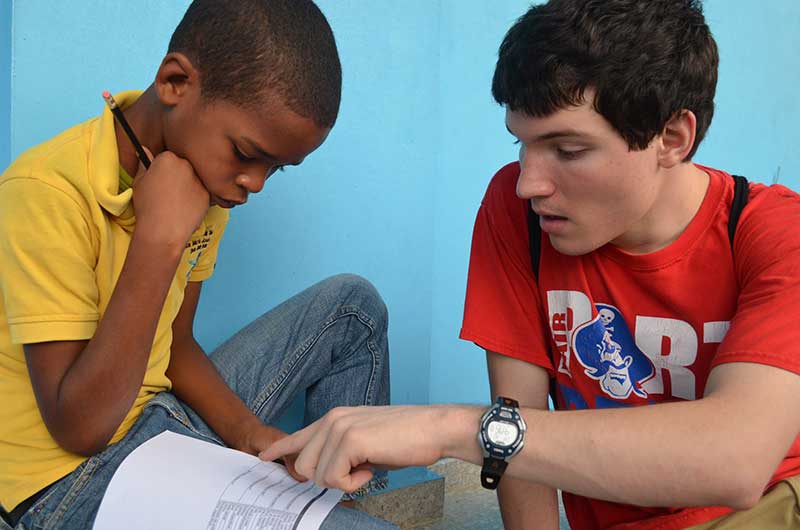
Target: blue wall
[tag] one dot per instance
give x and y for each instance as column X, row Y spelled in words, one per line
column 5, row 82
column 393, row 193
column 473, row 143
column 755, row 129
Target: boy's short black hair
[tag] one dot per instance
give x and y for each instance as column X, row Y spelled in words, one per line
column 645, row 59
column 246, row 49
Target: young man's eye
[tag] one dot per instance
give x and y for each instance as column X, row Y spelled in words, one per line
column 569, row 154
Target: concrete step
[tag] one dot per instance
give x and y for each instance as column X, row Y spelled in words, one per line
column 467, row 505
column 414, row 497
column 446, row 496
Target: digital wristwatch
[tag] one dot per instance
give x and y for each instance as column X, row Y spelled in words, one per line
column 501, row 435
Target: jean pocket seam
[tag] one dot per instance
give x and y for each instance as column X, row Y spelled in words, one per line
column 39, row 505
column 92, row 465
column 183, row 419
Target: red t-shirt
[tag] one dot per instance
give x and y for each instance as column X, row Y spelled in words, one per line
column 629, row 330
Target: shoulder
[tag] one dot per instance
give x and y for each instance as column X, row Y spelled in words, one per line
column 58, row 164
column 502, row 188
column 501, row 227
column 767, row 230
column 769, row 211
column 501, row 205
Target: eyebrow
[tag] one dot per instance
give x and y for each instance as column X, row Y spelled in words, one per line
column 267, row 154
column 562, row 133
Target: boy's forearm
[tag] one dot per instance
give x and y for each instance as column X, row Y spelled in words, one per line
column 196, row 382
column 98, row 390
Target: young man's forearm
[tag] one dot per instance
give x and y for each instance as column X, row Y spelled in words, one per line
column 685, row 454
column 98, row 390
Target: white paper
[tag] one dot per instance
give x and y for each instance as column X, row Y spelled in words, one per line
column 174, row 481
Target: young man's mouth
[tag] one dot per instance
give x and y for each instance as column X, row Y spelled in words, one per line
column 553, row 217
column 552, row 223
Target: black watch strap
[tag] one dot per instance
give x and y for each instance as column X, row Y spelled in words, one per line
column 509, row 402
column 491, row 472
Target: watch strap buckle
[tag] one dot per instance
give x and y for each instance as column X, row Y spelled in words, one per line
column 492, row 471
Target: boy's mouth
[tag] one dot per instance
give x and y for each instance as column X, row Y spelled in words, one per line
column 224, row 203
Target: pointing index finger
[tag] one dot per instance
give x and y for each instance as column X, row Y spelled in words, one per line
column 291, row 444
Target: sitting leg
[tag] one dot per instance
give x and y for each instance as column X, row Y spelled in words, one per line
column 329, row 341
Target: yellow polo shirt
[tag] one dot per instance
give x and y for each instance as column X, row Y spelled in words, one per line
column 65, row 226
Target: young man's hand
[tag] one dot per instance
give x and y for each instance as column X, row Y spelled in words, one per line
column 261, row 437
column 339, row 450
column 170, row 199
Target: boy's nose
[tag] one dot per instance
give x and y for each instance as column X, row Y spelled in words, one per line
column 253, row 183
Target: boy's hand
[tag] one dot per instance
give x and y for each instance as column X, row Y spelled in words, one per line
column 169, row 198
column 260, row 437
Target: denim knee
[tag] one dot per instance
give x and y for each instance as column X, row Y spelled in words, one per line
column 355, row 290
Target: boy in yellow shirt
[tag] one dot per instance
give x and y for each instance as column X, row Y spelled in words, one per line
column 102, row 262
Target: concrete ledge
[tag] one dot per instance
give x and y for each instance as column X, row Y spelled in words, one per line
column 446, row 496
column 458, row 476
column 467, row 505
column 414, row 497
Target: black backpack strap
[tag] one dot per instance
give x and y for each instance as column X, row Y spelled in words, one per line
column 535, row 239
column 741, row 192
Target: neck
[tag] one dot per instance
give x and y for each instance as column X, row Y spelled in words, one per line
column 145, row 118
column 678, row 199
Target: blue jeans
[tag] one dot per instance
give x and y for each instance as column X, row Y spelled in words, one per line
column 329, row 341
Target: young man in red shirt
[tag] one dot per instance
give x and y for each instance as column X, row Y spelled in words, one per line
column 670, row 344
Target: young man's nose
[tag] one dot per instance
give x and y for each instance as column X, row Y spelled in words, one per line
column 534, row 180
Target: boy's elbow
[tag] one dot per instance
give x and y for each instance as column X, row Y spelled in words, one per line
column 87, row 448
column 83, row 441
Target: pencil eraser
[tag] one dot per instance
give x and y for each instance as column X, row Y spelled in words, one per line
column 106, row 94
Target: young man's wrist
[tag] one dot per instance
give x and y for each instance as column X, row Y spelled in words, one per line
column 461, row 425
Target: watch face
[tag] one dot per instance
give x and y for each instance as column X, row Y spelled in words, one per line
column 502, row 433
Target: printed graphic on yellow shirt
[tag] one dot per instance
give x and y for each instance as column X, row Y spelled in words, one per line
column 198, row 246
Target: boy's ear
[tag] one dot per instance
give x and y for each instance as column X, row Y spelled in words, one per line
column 677, row 138
column 176, row 77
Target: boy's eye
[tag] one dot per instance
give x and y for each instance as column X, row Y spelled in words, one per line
column 240, row 155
